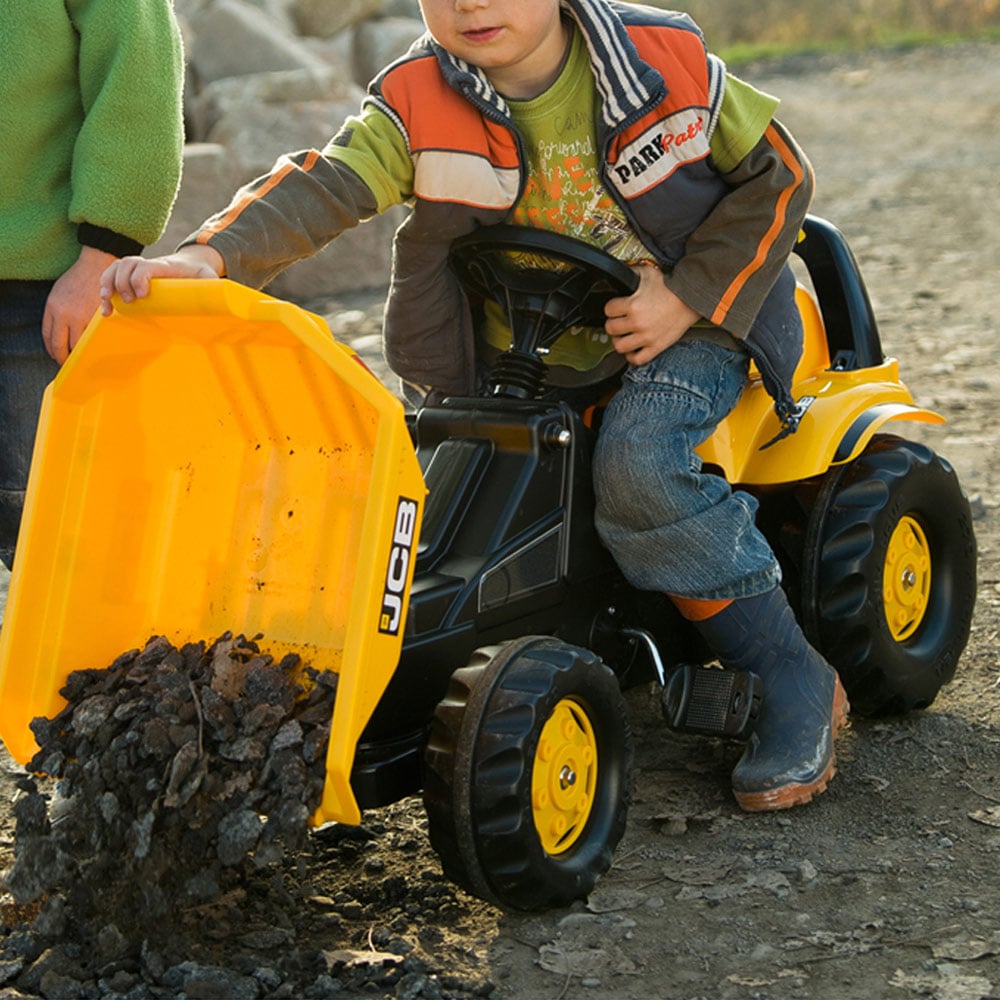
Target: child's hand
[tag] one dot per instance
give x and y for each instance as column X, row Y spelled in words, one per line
column 645, row 323
column 72, row 302
column 130, row 276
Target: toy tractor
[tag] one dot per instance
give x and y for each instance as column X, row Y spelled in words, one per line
column 211, row 459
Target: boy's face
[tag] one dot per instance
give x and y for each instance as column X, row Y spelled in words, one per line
column 519, row 44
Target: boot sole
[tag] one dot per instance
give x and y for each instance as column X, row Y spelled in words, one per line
column 797, row 794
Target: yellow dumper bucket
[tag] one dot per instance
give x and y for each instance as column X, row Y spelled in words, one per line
column 209, row 459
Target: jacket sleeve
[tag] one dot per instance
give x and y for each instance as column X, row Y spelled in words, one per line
column 127, row 157
column 733, row 258
column 309, row 198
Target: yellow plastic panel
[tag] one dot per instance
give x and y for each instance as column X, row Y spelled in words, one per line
column 844, row 409
column 210, row 459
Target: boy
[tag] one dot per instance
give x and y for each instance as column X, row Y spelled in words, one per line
column 609, row 122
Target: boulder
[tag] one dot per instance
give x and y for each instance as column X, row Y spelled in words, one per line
column 245, row 95
column 256, row 142
column 401, row 8
column 235, row 38
column 323, row 19
column 261, row 116
column 377, row 43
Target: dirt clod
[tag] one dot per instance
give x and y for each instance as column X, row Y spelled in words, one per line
column 170, row 773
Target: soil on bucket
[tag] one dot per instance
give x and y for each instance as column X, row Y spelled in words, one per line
column 172, row 773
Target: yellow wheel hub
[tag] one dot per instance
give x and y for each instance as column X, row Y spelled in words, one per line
column 906, row 582
column 564, row 777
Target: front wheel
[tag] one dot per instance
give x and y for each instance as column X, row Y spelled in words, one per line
column 889, row 576
column 527, row 773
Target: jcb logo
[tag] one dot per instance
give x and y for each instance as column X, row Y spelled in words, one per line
column 399, row 564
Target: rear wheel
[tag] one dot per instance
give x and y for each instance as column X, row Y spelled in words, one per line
column 528, row 767
column 889, row 575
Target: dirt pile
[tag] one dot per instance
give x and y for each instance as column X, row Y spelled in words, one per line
column 174, row 770
column 168, row 851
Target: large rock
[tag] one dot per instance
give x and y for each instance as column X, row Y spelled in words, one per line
column 281, row 111
column 378, row 43
column 255, row 143
column 234, row 96
column 280, row 10
column 401, row 8
column 277, row 10
column 235, row 38
column 324, row 18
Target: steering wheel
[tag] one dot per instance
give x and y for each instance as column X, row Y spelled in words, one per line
column 547, row 277
column 545, row 283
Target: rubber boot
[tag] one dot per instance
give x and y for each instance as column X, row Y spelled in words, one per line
column 789, row 757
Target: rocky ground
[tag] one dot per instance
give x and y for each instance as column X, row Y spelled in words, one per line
column 885, row 887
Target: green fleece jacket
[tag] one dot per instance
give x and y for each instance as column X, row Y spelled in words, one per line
column 91, row 134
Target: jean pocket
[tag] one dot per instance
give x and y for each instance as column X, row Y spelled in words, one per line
column 702, row 371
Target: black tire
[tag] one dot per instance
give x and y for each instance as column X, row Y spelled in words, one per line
column 486, row 750
column 889, row 576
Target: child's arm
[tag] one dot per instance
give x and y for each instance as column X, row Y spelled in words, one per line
column 734, row 257
column 307, row 199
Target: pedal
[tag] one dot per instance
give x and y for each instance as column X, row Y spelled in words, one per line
column 711, row 701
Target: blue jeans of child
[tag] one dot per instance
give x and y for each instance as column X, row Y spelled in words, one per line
column 670, row 526
column 25, row 370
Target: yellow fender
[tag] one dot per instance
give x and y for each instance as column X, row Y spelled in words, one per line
column 842, row 411
column 210, row 459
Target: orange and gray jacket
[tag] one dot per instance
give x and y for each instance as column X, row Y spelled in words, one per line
column 434, row 133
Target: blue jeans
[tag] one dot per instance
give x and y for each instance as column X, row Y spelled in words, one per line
column 25, row 370
column 670, row 526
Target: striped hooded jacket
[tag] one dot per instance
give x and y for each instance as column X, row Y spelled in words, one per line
column 434, row 133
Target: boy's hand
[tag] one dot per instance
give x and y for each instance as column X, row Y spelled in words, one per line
column 645, row 323
column 130, row 276
column 72, row 302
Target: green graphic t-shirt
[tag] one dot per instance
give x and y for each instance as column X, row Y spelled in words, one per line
column 563, row 194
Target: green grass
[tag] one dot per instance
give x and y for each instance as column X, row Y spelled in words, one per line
column 746, row 30
column 741, row 53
